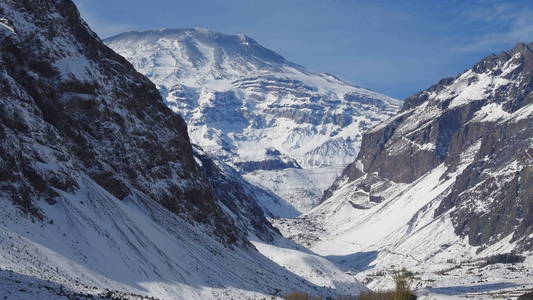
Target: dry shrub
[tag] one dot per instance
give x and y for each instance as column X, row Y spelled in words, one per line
column 402, row 291
column 384, row 295
column 301, row 296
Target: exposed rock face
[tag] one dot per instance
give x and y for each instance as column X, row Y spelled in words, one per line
column 101, row 193
column 483, row 117
column 254, row 110
column 269, row 164
column 238, row 197
column 71, row 107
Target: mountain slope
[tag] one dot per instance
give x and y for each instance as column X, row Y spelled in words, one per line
column 249, row 107
column 238, row 198
column 65, row 110
column 100, row 188
column 444, row 182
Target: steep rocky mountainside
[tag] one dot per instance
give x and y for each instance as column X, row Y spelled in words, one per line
column 447, row 180
column 238, row 197
column 100, row 188
column 486, row 114
column 284, row 128
column 66, row 113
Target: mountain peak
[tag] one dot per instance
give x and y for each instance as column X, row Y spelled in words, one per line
column 523, row 48
column 198, row 33
column 248, row 106
column 209, row 55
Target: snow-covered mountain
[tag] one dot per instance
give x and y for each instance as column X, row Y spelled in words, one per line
column 102, row 193
column 442, row 185
column 286, row 129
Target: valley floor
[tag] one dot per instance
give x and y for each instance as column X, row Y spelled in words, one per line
column 465, row 278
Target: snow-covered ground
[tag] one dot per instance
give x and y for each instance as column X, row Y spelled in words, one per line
column 301, row 187
column 91, row 242
column 401, row 232
column 306, row 264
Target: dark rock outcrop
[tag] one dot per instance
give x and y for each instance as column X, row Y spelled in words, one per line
column 238, row 196
column 70, row 107
column 270, row 164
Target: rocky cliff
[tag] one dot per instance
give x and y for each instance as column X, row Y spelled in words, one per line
column 67, row 114
column 484, row 113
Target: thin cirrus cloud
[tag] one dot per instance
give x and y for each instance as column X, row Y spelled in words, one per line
column 394, row 47
column 104, row 28
column 511, row 23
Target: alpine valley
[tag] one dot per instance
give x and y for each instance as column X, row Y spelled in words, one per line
column 102, row 194
column 191, row 164
column 444, row 189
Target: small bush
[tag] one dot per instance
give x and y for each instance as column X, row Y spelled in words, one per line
column 385, row 295
column 507, row 258
column 301, row 296
column 402, row 291
column 526, row 296
column 347, row 298
column 304, row 296
column 402, row 280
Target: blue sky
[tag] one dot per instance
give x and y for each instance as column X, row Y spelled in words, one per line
column 394, row 47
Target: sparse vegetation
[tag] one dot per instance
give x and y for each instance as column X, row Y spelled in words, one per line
column 445, row 271
column 402, row 280
column 402, row 291
column 304, row 296
column 301, row 296
column 526, row 296
column 506, row 258
column 386, row 295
